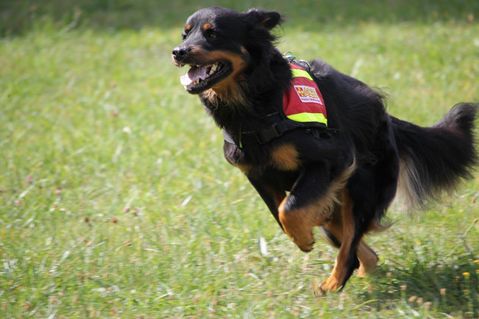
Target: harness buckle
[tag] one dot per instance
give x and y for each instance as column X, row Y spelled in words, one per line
column 268, row 134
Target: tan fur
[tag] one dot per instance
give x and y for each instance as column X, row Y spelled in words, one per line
column 206, row 26
column 230, row 94
column 335, row 280
column 229, row 89
column 199, row 53
column 368, row 260
column 285, row 157
column 367, row 257
column 211, row 96
column 342, row 227
column 188, row 27
column 298, row 224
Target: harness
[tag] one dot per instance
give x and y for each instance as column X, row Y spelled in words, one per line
column 303, row 107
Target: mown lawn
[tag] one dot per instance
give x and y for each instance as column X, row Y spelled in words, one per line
column 115, row 200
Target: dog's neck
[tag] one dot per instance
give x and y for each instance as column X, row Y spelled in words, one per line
column 255, row 93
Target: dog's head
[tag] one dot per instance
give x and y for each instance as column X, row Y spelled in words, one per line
column 218, row 46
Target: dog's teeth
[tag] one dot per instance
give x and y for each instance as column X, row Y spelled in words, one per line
column 213, row 68
column 185, row 80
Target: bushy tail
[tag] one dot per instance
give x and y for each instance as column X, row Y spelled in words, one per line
column 435, row 158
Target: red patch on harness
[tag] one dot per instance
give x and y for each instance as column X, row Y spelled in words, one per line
column 303, row 96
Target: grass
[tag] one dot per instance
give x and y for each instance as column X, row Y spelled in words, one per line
column 116, row 200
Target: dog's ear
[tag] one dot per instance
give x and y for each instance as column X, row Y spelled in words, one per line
column 267, row 19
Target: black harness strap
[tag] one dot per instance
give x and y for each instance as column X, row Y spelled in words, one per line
column 279, row 128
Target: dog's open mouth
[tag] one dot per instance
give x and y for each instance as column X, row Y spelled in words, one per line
column 202, row 77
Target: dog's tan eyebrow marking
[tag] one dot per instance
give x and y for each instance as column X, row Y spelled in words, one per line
column 207, row 26
column 188, row 27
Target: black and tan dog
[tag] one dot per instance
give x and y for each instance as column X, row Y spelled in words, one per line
column 337, row 169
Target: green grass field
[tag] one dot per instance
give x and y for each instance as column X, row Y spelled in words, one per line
column 115, row 199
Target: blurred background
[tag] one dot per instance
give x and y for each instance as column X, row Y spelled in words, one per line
column 108, row 15
column 115, row 199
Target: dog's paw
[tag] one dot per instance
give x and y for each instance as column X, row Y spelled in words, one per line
column 332, row 284
column 365, row 271
column 329, row 285
column 305, row 247
column 316, row 287
column 367, row 266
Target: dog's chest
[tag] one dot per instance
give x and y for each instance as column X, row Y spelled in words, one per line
column 282, row 157
column 285, row 157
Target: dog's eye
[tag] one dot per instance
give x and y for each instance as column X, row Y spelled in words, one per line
column 210, row 34
column 183, row 35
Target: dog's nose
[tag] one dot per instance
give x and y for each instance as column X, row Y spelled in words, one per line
column 180, row 52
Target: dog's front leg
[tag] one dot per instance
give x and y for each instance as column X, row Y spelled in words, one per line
column 271, row 195
column 308, row 204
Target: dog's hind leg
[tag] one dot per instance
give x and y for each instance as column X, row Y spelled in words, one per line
column 368, row 258
column 346, row 260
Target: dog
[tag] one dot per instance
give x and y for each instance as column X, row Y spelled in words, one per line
column 339, row 162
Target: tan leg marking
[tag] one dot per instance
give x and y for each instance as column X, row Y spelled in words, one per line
column 367, row 257
column 368, row 260
column 298, row 223
column 343, row 227
column 336, row 279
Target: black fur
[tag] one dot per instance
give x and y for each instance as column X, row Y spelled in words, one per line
column 435, row 157
column 431, row 158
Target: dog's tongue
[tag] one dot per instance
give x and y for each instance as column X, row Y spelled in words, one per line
column 194, row 74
